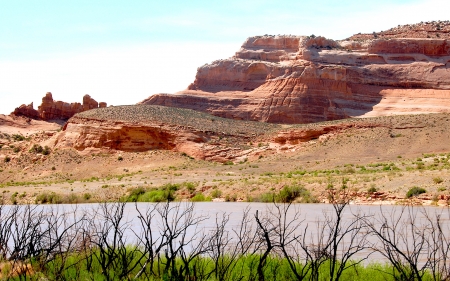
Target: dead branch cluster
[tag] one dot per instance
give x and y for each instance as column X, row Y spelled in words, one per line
column 169, row 242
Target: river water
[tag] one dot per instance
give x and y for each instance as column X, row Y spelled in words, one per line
column 312, row 221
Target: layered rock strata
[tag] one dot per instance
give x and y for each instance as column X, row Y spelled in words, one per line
column 56, row 110
column 143, row 127
column 300, row 79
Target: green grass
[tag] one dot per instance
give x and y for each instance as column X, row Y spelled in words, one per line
column 76, row 267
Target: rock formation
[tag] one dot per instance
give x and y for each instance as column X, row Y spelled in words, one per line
column 56, row 110
column 143, row 127
column 303, row 79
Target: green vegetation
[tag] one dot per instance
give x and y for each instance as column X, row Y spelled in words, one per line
column 200, row 197
column 48, row 198
column 286, row 195
column 438, row 180
column 55, row 198
column 415, row 191
column 161, row 194
column 77, row 267
column 17, row 137
column 216, row 193
column 39, row 149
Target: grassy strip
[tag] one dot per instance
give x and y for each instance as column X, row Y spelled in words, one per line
column 88, row 266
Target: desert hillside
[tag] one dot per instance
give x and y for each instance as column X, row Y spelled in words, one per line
column 378, row 159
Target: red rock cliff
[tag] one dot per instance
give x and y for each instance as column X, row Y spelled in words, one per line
column 299, row 79
column 52, row 110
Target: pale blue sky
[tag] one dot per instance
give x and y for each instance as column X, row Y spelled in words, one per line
column 123, row 51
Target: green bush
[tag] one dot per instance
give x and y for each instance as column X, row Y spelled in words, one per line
column 156, row 195
column 372, row 189
column 200, row 197
column 267, row 197
column 17, row 137
column 39, row 149
column 216, row 193
column 162, row 194
column 48, row 197
column 232, row 198
column 415, row 191
column 438, row 180
column 7, row 159
column 286, row 195
column 290, row 193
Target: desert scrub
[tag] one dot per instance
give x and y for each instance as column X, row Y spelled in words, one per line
column 438, row 180
column 415, row 191
column 17, row 137
column 39, row 149
column 216, row 193
column 200, row 197
column 286, row 195
column 162, row 194
column 372, row 189
column 48, row 198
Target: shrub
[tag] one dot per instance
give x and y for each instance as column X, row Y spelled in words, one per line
column 18, row 137
column 157, row 195
column 72, row 198
column 267, row 197
column 163, row 194
column 135, row 193
column 7, row 159
column 46, row 150
column 216, row 193
column 14, row 198
column 415, row 191
column 87, row 196
column 231, row 198
column 438, row 180
column 50, row 198
column 286, row 195
column 200, row 197
column 372, row 189
column 349, row 170
column 120, row 158
column 39, row 149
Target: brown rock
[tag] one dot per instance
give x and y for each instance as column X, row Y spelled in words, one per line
column 26, row 110
column 55, row 110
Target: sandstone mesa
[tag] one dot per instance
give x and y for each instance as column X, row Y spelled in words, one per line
column 303, row 79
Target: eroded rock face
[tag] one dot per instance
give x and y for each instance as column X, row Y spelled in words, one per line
column 87, row 134
column 299, row 79
column 54, row 110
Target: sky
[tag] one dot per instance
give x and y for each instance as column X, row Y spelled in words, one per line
column 122, row 52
